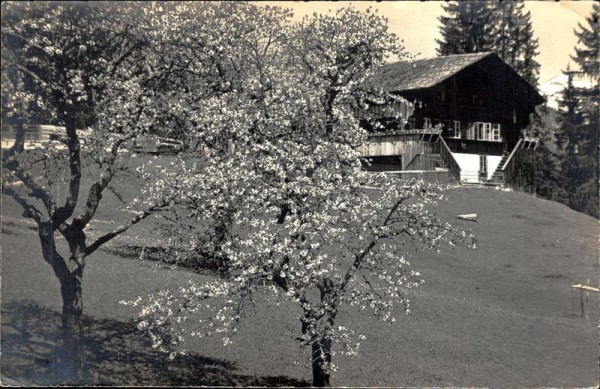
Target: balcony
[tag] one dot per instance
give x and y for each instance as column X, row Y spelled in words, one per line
column 472, row 146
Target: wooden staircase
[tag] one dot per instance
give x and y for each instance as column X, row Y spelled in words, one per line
column 498, row 176
column 435, row 161
column 449, row 160
column 438, row 160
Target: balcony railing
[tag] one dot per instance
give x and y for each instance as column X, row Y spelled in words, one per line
column 468, row 146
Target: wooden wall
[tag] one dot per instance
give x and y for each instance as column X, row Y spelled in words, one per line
column 519, row 173
column 442, row 177
column 409, row 146
column 476, row 146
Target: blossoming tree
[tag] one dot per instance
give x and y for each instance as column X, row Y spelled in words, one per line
column 280, row 172
column 79, row 66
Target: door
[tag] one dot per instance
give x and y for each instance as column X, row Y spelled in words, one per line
column 483, row 167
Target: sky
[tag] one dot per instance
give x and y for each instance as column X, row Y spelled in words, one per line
column 416, row 23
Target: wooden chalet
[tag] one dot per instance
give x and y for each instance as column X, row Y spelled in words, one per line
column 464, row 115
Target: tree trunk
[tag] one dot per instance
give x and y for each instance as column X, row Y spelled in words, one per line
column 321, row 355
column 222, row 230
column 69, row 356
column 71, row 353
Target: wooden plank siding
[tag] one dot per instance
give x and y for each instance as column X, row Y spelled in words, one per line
column 519, row 170
column 442, row 177
column 424, row 162
column 408, row 144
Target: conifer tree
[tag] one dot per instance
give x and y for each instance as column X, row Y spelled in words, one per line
column 505, row 28
column 466, row 28
column 513, row 39
column 549, row 180
column 580, row 122
column 587, row 54
column 569, row 101
column 579, row 130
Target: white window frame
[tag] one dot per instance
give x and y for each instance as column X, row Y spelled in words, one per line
column 427, row 123
column 485, row 131
column 496, row 134
column 455, row 129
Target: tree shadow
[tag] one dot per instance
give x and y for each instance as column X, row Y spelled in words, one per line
column 115, row 355
column 193, row 260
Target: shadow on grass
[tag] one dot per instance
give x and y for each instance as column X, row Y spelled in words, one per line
column 115, row 355
column 197, row 262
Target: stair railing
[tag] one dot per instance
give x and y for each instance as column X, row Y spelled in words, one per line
column 449, row 159
column 512, row 154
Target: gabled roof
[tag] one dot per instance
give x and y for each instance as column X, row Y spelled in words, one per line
column 421, row 73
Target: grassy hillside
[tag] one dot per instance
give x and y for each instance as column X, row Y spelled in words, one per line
column 503, row 315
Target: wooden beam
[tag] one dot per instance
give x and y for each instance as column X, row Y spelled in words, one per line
column 468, row 216
column 585, row 287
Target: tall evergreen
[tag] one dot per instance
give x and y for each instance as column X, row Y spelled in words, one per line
column 549, row 180
column 580, row 121
column 586, row 56
column 466, row 28
column 513, row 38
column 502, row 27
column 569, row 100
column 579, row 133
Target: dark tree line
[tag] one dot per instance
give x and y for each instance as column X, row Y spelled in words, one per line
column 568, row 162
column 579, row 126
column 502, row 27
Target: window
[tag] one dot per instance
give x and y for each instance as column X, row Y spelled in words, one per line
column 496, row 132
column 426, row 123
column 455, row 130
column 485, row 131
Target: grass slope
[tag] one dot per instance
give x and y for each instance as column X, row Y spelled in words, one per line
column 503, row 315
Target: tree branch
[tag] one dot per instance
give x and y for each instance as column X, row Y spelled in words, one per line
column 32, row 75
column 31, row 210
column 36, row 190
column 66, row 211
column 27, row 42
column 95, row 193
column 360, row 257
column 49, row 253
column 107, row 237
